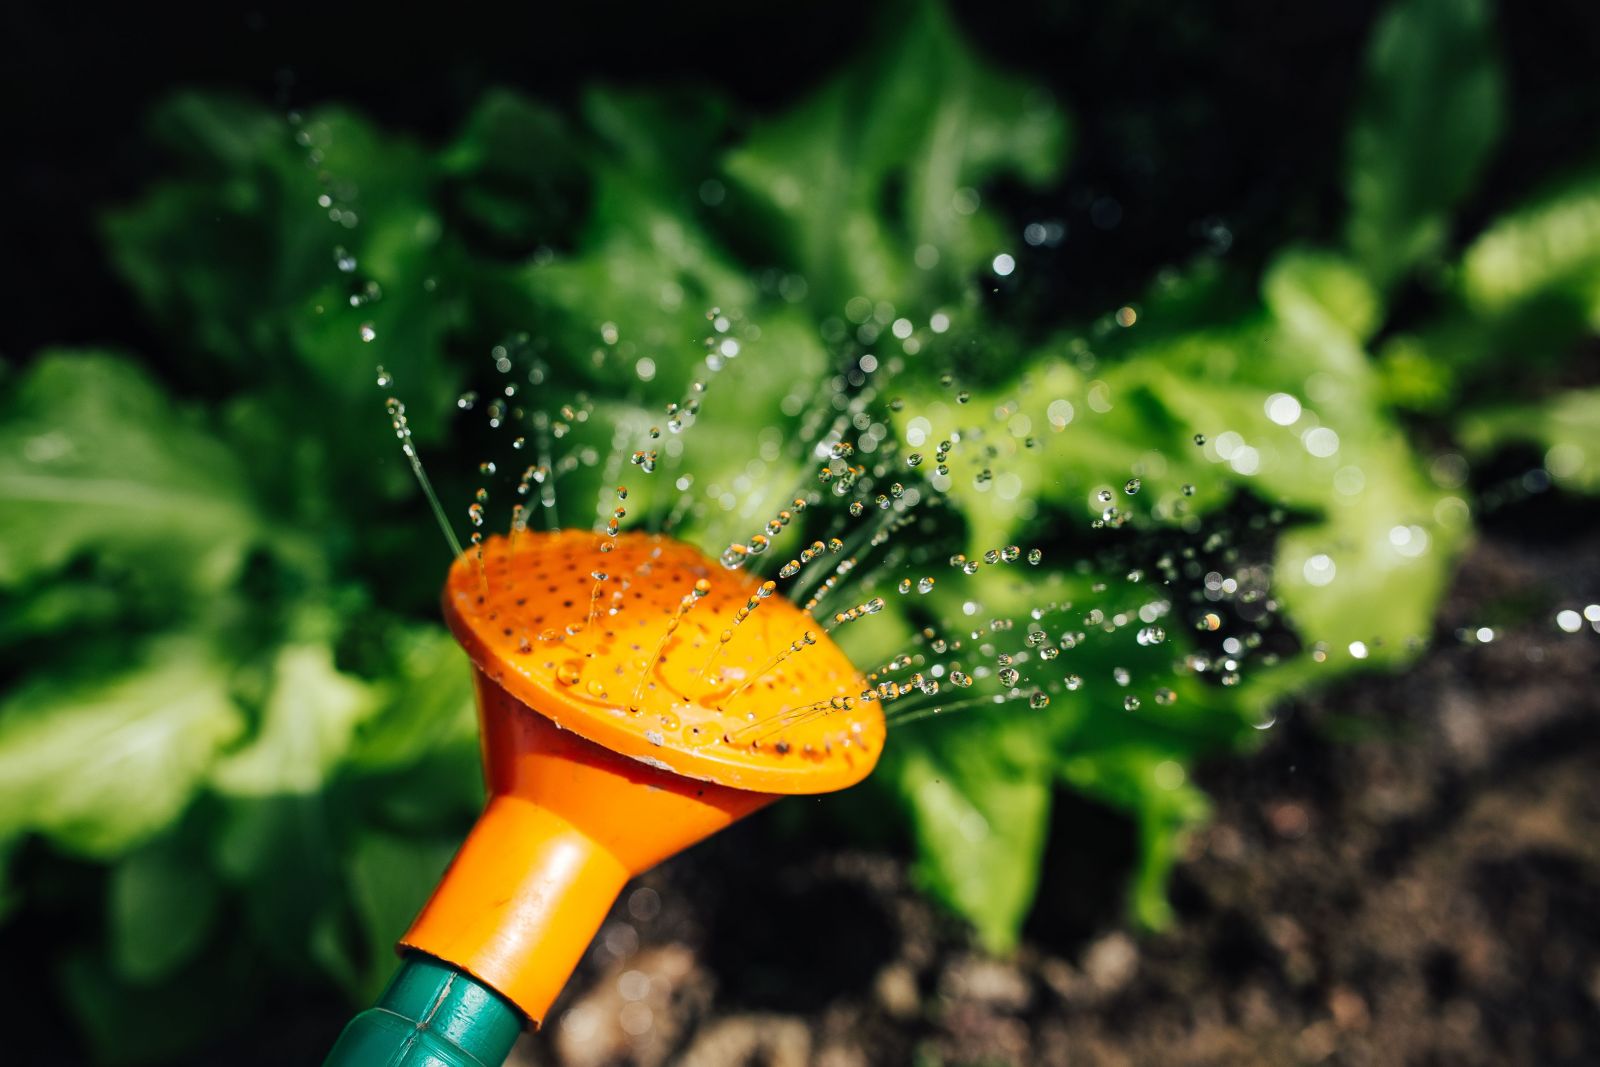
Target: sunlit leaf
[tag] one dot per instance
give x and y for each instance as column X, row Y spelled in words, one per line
column 102, row 764
column 980, row 805
column 307, row 727
column 1547, row 251
column 1566, row 427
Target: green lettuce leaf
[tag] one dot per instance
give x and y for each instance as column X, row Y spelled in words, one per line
column 307, row 729
column 979, row 796
column 95, row 458
column 1430, row 112
column 103, row 764
column 1544, row 254
column 1566, row 427
column 162, row 904
column 889, row 158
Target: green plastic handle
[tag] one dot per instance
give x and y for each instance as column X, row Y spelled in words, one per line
column 432, row 1015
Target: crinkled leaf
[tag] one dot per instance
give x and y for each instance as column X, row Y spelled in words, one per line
column 1431, row 110
column 103, row 764
column 643, row 267
column 271, row 267
column 744, row 442
column 1370, row 508
column 307, row 728
column 884, row 160
column 94, row 458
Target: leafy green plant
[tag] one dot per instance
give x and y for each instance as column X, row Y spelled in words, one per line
column 215, row 571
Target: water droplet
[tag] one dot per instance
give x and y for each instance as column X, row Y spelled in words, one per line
column 1131, row 486
column 368, row 332
column 1039, row 699
column 1151, row 635
column 1130, row 703
column 1035, row 556
column 1199, row 438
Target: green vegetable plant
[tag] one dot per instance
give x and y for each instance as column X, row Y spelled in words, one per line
column 237, row 720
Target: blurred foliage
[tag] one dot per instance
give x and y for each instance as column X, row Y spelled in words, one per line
column 235, row 715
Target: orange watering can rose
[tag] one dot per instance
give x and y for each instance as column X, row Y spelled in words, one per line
column 621, row 640
column 635, row 697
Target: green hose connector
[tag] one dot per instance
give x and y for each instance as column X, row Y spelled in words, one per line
column 432, row 1015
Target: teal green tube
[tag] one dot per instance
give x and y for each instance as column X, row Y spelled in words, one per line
column 432, row 1015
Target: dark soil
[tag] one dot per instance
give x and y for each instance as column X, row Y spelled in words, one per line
column 1408, row 872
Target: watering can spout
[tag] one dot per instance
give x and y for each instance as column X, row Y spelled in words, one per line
column 567, row 824
column 677, row 731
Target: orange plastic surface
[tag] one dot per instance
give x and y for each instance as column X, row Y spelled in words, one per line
column 612, row 738
column 566, row 826
column 607, row 660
